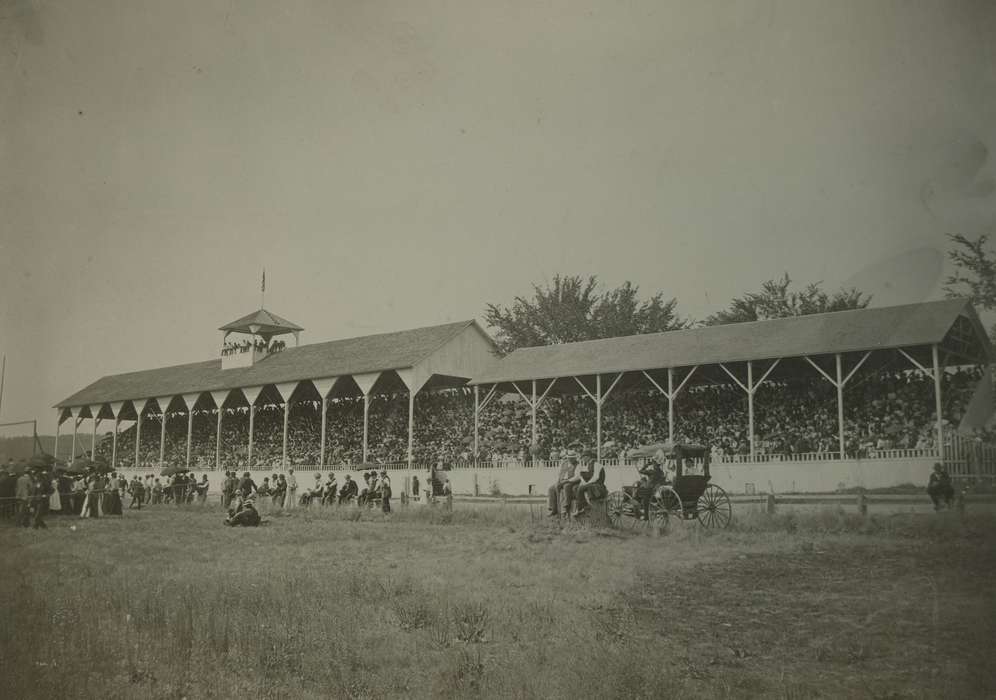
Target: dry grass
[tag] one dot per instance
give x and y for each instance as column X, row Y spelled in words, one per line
column 492, row 602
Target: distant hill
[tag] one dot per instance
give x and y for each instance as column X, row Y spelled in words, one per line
column 21, row 446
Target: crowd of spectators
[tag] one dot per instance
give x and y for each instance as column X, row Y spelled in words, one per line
column 883, row 411
column 235, row 347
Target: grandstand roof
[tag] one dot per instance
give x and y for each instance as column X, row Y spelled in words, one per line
column 262, row 320
column 817, row 334
column 370, row 353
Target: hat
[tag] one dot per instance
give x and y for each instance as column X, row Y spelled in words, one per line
column 383, row 473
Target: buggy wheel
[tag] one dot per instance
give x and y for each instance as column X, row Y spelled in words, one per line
column 714, row 509
column 614, row 508
column 664, row 505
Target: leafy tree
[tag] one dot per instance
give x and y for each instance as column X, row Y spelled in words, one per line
column 777, row 300
column 572, row 308
column 975, row 273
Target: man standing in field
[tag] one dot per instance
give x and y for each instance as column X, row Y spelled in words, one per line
column 247, row 486
column 291, row 498
column 23, row 491
column 566, row 473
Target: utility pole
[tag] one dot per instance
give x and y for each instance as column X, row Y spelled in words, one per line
column 3, row 374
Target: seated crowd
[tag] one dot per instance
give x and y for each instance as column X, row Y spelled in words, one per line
column 883, row 411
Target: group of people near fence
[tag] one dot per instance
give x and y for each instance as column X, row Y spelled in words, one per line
column 577, row 484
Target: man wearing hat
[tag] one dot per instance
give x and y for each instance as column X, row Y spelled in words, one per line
column 568, row 467
column 349, row 489
column 23, row 492
column 245, row 515
column 385, row 491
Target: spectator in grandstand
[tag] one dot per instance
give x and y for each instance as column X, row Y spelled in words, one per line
column 939, row 487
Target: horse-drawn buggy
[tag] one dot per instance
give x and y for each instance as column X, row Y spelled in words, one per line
column 659, row 497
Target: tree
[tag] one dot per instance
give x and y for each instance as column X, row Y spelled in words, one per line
column 777, row 300
column 975, row 271
column 572, row 308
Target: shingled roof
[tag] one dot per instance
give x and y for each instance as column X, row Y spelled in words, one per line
column 370, row 353
column 817, row 334
column 262, row 319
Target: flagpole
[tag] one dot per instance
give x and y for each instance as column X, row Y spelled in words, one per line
column 262, row 291
column 3, row 374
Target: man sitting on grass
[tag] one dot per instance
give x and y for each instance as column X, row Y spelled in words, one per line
column 244, row 515
column 939, row 487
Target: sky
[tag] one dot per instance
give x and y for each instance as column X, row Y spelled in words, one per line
column 399, row 164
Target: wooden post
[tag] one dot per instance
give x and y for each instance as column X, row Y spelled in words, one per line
column 283, row 455
column 58, row 424
column 411, row 426
column 750, row 406
column 252, row 416
column 532, row 405
column 217, row 440
column 840, row 407
column 937, row 404
column 114, row 445
column 477, row 420
column 138, row 432
column 162, row 438
column 670, row 404
column 190, row 432
column 366, row 420
column 321, row 453
column 598, row 417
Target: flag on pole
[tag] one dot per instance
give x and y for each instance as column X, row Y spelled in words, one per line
column 262, row 287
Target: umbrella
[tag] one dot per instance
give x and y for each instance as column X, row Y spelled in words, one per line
column 100, row 467
column 17, row 469
column 79, row 466
column 170, row 471
column 41, row 460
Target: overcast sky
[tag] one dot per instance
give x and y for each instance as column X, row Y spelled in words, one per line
column 397, row 164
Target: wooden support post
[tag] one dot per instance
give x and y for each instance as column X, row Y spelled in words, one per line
column 321, row 452
column 598, row 417
column 190, row 432
column 58, row 424
column 937, row 404
column 217, row 440
column 477, row 421
column 76, row 427
column 138, row 432
column 411, row 426
column 252, row 417
column 114, row 445
column 670, row 404
column 750, row 407
column 366, row 421
column 162, row 438
column 532, row 406
column 283, row 453
column 840, row 407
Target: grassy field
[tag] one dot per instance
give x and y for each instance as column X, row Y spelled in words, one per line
column 485, row 601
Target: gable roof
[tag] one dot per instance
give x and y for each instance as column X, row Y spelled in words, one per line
column 817, row 334
column 266, row 320
column 370, row 353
